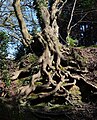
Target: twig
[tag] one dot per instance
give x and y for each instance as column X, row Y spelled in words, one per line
column 60, row 10
column 82, row 18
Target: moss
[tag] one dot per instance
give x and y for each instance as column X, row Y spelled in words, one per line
column 75, row 95
column 50, row 107
column 33, row 96
column 38, row 83
column 24, row 81
column 64, row 83
column 59, row 107
column 39, row 106
column 62, row 68
column 32, row 58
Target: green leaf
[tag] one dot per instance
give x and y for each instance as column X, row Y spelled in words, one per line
column 70, row 41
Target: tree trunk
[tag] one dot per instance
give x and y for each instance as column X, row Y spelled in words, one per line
column 58, row 70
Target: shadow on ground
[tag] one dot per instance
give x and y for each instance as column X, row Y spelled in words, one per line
column 9, row 112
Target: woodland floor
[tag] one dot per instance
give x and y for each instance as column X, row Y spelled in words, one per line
column 90, row 56
column 87, row 111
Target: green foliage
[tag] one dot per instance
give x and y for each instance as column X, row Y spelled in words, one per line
column 5, row 72
column 3, row 44
column 6, row 78
column 32, row 58
column 4, row 39
column 71, row 42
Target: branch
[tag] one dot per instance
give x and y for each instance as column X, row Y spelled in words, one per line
column 42, row 13
column 72, row 13
column 7, row 18
column 82, row 18
column 54, row 8
column 60, row 9
column 14, row 36
column 26, row 36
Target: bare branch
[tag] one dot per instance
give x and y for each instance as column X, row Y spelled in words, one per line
column 60, row 10
column 14, row 36
column 72, row 13
column 26, row 36
column 54, row 8
column 82, row 18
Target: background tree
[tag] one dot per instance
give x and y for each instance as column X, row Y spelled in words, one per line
column 82, row 23
column 4, row 39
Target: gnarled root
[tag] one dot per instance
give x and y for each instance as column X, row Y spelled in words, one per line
column 56, row 75
column 52, row 79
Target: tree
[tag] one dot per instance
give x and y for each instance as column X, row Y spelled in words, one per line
column 82, row 23
column 59, row 67
column 4, row 79
column 3, row 45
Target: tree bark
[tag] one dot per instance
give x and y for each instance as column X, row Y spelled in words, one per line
column 58, row 70
column 26, row 36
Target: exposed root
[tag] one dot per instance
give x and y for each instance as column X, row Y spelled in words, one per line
column 25, row 91
column 52, row 92
column 57, row 73
column 52, row 76
column 16, row 74
column 59, row 68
